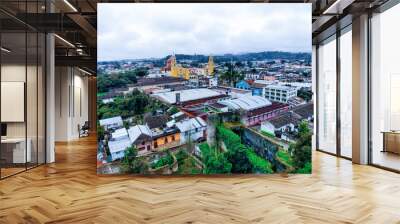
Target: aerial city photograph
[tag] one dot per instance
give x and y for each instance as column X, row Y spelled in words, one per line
column 189, row 89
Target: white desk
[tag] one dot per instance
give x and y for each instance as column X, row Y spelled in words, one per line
column 19, row 154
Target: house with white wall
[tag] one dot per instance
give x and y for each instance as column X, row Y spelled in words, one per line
column 192, row 129
column 112, row 123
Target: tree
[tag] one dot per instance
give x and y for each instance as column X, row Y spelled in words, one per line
column 301, row 150
column 304, row 94
column 231, row 76
column 237, row 155
column 239, row 64
column 215, row 162
column 134, row 105
column 133, row 164
column 303, row 129
column 306, row 169
column 236, row 151
column 100, row 132
column 107, row 82
column 141, row 72
column 173, row 110
column 218, row 164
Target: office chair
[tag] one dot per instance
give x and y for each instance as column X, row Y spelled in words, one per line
column 84, row 130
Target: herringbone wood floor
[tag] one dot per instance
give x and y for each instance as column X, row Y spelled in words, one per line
column 69, row 191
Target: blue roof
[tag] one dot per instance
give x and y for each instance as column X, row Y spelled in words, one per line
column 242, row 84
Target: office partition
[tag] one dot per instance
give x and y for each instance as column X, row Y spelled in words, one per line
column 385, row 88
column 345, row 108
column 327, row 127
column 22, row 106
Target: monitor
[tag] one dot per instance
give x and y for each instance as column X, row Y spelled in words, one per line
column 3, row 129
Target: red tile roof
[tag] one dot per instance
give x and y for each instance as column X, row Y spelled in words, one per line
column 274, row 106
column 199, row 101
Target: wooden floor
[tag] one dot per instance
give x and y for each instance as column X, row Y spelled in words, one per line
column 386, row 159
column 69, row 191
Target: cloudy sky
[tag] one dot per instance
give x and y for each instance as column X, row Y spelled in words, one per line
column 135, row 31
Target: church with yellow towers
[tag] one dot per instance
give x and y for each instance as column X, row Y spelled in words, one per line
column 179, row 71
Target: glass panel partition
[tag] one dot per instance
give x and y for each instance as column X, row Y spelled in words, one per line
column 385, row 89
column 327, row 96
column 13, row 114
column 22, row 101
column 31, row 98
column 346, row 93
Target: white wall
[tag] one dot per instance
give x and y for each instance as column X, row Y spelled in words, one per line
column 33, row 126
column 71, row 102
column 17, row 73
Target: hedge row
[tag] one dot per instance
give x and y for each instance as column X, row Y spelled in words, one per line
column 232, row 142
column 215, row 162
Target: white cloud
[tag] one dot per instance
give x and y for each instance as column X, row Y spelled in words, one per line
column 131, row 31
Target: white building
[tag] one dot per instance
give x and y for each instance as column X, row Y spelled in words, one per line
column 246, row 103
column 233, row 92
column 283, row 123
column 298, row 85
column 119, row 134
column 191, row 129
column 186, row 95
column 117, row 148
column 141, row 137
column 266, row 82
column 252, row 76
column 280, row 93
column 111, row 123
column 118, row 143
column 213, row 82
column 108, row 100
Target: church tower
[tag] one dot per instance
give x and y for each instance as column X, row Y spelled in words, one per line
column 174, row 71
column 210, row 66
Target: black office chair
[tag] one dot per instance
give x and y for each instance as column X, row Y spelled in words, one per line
column 84, row 130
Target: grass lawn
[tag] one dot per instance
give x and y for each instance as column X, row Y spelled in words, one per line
column 188, row 166
column 285, row 157
column 267, row 134
column 186, row 163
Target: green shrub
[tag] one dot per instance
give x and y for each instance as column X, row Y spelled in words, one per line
column 243, row 158
column 301, row 150
column 285, row 157
column 230, row 139
column 166, row 160
column 306, row 169
column 215, row 162
column 268, row 134
column 181, row 155
column 260, row 165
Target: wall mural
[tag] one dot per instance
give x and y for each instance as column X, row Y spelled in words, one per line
column 204, row 88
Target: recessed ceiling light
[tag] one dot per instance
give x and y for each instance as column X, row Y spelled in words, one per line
column 70, row 5
column 64, row 40
column 86, row 72
column 5, row 50
column 338, row 6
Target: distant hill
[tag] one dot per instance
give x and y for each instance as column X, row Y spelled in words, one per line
column 266, row 55
column 258, row 56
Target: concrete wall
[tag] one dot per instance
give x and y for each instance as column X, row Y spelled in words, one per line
column 71, row 102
